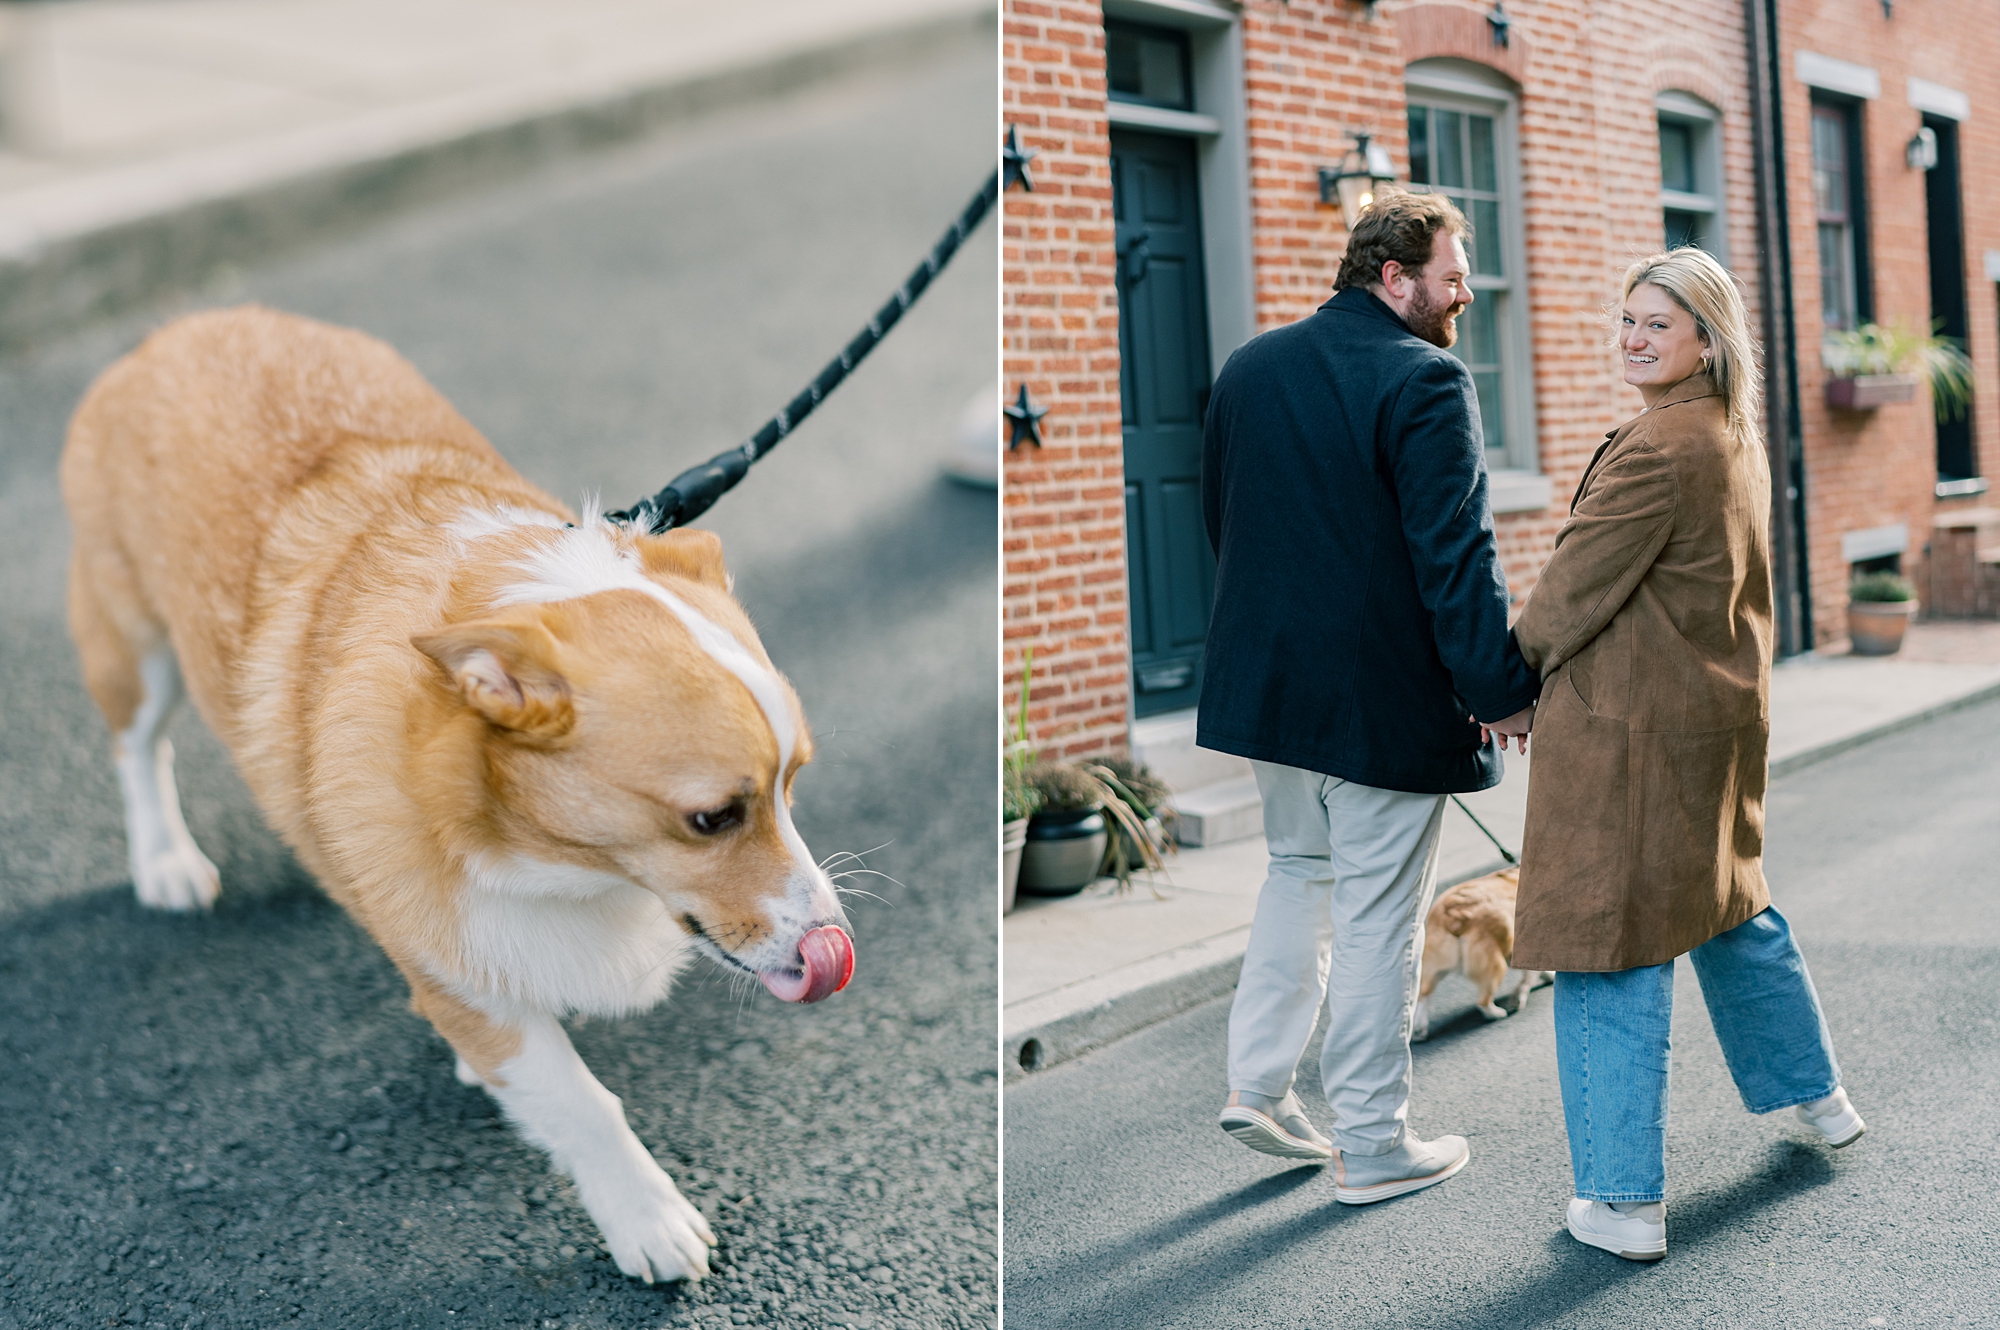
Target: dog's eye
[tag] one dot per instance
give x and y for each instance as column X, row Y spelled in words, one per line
column 718, row 820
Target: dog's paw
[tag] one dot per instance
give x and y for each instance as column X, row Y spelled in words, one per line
column 654, row 1233
column 1493, row 1012
column 179, row 877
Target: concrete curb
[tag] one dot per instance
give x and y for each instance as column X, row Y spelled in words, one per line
column 1785, row 766
column 267, row 197
column 1115, row 1017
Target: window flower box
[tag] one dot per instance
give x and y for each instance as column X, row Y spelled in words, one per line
column 1865, row 392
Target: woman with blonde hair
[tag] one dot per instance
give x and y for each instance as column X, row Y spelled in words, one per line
column 1651, row 629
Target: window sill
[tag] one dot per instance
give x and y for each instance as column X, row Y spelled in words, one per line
column 1518, row 491
column 1137, row 115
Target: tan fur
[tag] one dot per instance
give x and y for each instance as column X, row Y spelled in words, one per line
column 272, row 497
column 1470, row 930
column 483, row 1042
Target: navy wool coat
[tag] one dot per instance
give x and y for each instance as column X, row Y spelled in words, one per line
column 1360, row 613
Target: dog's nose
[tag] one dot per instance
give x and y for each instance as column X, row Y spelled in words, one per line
column 826, row 963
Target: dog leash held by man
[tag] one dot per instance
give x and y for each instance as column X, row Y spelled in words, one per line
column 1359, row 628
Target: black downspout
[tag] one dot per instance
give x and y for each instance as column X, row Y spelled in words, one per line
column 1791, row 567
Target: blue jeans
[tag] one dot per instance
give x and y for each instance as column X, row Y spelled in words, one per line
column 1612, row 1040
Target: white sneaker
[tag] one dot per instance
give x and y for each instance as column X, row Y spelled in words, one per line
column 1834, row 1118
column 1411, row 1166
column 1638, row 1232
column 1274, row 1126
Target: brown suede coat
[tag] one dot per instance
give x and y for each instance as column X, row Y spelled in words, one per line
column 1651, row 627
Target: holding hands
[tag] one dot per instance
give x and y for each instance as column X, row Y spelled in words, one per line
column 1516, row 726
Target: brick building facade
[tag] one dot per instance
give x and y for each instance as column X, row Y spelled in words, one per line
column 1578, row 135
column 1878, row 481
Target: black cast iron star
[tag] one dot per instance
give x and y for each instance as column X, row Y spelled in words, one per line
column 1017, row 162
column 1026, row 420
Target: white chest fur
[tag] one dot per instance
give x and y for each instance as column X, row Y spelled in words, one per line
column 562, row 939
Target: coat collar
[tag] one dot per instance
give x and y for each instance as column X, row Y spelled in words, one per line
column 1360, row 300
column 1692, row 388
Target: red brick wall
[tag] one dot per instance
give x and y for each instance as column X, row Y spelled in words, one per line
column 1876, row 468
column 1313, row 73
column 1063, row 536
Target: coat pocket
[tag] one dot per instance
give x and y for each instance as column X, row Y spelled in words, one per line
column 1579, row 684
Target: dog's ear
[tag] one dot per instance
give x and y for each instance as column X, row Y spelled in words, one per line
column 692, row 554
column 507, row 673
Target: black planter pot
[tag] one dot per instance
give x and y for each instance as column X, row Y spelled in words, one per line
column 1063, row 851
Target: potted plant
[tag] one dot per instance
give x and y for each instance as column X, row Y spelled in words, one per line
column 1145, row 838
column 1067, row 834
column 1879, row 609
column 1876, row 364
column 1019, row 800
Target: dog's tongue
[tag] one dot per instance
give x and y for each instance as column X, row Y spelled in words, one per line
column 828, row 957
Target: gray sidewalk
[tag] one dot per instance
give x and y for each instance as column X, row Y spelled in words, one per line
column 145, row 143
column 1081, row 971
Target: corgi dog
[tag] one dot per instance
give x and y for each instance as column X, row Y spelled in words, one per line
column 1470, row 930
column 543, row 760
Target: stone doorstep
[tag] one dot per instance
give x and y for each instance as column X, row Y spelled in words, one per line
column 1214, row 793
column 1228, row 810
column 1166, row 744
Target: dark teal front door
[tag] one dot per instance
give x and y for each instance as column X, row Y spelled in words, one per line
column 1163, row 391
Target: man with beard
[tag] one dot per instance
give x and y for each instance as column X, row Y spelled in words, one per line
column 1359, row 656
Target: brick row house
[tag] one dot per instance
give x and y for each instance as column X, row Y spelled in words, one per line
column 1178, row 208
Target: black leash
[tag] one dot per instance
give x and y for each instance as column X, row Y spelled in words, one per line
column 691, row 493
column 1505, row 853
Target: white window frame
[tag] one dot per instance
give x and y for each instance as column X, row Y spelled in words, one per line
column 1460, row 85
column 1707, row 200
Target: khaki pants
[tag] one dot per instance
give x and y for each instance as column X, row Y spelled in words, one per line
column 1340, row 918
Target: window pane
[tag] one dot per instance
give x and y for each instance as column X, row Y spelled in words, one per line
column 1420, row 146
column 1485, row 173
column 1478, row 340
column 1829, row 128
column 1163, row 72
column 1123, row 66
column 1485, row 246
column 1677, row 156
column 1486, row 383
column 1479, row 347
column 1146, row 66
column 1685, row 228
column 1836, row 288
column 1450, row 148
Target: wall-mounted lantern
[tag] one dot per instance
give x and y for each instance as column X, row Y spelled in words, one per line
column 1921, row 152
column 1361, row 174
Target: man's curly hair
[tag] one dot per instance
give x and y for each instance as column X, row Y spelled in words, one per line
column 1399, row 226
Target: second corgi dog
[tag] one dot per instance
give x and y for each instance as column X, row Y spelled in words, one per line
column 544, row 761
column 1470, row 930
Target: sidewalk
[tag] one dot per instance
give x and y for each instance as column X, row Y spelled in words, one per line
column 1082, row 971
column 145, row 142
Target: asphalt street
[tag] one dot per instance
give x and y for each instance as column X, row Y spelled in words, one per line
column 1127, row 1207
column 235, row 1120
